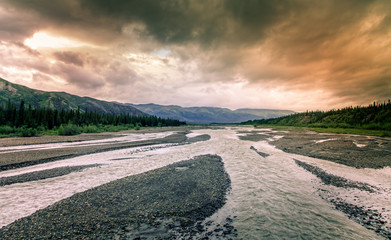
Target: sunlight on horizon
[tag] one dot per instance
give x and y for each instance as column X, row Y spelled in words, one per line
column 44, row 40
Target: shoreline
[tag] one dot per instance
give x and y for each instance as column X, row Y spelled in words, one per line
column 330, row 130
column 44, row 139
column 14, row 160
column 351, row 150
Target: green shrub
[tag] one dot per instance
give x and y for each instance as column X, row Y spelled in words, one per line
column 110, row 128
column 385, row 134
column 69, row 129
column 27, row 132
column 343, row 125
column 5, row 130
column 90, row 129
column 41, row 129
column 372, row 126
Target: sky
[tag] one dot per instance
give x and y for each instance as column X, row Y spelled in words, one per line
column 283, row 54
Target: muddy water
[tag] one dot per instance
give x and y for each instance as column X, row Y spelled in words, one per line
column 271, row 198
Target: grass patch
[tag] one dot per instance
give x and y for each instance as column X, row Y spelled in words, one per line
column 356, row 131
column 64, row 130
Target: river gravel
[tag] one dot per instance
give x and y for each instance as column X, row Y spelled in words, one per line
column 168, row 202
column 271, row 196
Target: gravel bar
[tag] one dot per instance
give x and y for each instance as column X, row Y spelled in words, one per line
column 15, row 141
column 371, row 219
column 14, row 160
column 350, row 150
column 166, row 203
column 262, row 154
column 331, row 179
column 44, row 174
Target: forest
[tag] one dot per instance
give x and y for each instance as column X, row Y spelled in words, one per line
column 376, row 116
column 27, row 121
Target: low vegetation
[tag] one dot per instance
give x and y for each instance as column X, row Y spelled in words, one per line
column 374, row 119
column 27, row 121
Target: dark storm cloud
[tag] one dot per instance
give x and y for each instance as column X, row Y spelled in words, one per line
column 15, row 26
column 78, row 76
column 208, row 22
column 173, row 21
column 62, row 17
column 168, row 21
column 69, row 57
column 339, row 46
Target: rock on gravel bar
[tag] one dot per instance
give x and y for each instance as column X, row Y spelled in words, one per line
column 180, row 194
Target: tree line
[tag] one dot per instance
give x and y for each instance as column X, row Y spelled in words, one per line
column 376, row 116
column 27, row 117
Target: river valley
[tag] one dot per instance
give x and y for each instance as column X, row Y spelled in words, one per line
column 275, row 192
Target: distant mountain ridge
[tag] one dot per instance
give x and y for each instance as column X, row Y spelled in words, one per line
column 60, row 100
column 192, row 115
column 208, row 115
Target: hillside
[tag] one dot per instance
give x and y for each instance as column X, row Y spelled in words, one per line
column 194, row 115
column 59, row 100
column 208, row 115
column 264, row 113
column 376, row 116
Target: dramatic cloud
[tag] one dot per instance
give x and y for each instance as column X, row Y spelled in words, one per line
column 292, row 54
column 69, row 57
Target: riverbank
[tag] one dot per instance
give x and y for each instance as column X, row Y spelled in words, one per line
column 168, row 202
column 10, row 159
column 355, row 131
column 347, row 149
column 16, row 141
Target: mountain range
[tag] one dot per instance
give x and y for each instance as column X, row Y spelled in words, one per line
column 193, row 115
column 59, row 100
column 208, row 115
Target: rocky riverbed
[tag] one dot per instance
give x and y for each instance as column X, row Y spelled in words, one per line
column 174, row 184
column 169, row 202
column 358, row 200
column 351, row 150
column 371, row 218
column 16, row 159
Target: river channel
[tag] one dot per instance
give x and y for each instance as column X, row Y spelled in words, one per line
column 271, row 197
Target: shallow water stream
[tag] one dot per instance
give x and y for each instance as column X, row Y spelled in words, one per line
column 271, row 197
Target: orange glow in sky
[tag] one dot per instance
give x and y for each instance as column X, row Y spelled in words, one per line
column 298, row 54
column 44, row 40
